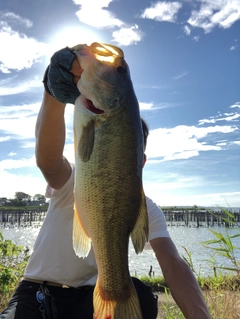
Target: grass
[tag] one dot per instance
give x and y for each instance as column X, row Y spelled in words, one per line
column 222, row 295
column 222, row 304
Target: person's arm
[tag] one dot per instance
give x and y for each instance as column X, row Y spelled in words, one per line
column 180, row 279
column 50, row 126
column 50, row 139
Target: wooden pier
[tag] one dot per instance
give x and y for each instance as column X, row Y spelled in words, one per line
column 24, row 218
column 175, row 217
column 201, row 218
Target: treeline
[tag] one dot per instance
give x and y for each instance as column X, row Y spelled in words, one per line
column 23, row 199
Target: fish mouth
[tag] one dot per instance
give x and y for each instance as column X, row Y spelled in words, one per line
column 92, row 108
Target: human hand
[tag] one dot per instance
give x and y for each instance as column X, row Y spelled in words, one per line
column 62, row 75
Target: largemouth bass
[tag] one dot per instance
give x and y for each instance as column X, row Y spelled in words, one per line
column 109, row 198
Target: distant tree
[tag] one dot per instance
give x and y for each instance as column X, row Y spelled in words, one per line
column 16, row 202
column 39, row 198
column 22, row 196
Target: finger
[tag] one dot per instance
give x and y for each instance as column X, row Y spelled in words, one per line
column 76, row 69
column 76, row 79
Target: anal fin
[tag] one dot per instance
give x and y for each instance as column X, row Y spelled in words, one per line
column 139, row 234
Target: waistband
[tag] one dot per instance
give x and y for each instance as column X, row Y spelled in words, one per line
column 55, row 284
column 47, row 283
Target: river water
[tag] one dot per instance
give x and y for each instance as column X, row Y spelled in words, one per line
column 190, row 238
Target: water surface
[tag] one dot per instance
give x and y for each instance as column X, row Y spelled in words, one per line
column 190, row 238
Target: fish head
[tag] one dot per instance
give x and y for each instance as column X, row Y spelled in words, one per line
column 105, row 80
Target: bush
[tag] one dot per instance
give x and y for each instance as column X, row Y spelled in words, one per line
column 13, row 260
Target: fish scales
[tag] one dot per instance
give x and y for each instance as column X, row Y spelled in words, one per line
column 109, row 199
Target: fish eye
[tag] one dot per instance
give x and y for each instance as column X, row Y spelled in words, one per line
column 121, row 69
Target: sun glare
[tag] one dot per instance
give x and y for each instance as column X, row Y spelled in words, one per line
column 111, row 48
column 107, row 53
column 109, row 59
column 71, row 36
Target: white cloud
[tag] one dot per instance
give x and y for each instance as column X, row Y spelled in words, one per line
column 13, row 18
column 237, row 104
column 69, row 152
column 8, row 87
column 94, row 13
column 196, row 38
column 187, row 30
column 127, row 36
column 12, row 154
column 223, row 117
column 170, row 194
column 169, row 188
column 100, row 17
column 7, row 164
column 100, row 3
column 146, row 106
column 13, row 182
column 28, row 184
column 182, row 142
column 4, row 138
column 169, row 181
column 19, row 120
column 162, row 11
column 180, row 75
column 221, row 144
column 224, row 199
column 221, row 13
column 17, row 50
column 28, row 145
column 214, row 120
column 236, row 142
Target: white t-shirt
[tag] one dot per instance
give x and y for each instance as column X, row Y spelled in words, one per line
column 53, row 258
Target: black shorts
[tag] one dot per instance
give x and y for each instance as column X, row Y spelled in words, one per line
column 72, row 303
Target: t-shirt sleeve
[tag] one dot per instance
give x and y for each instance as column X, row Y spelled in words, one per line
column 157, row 222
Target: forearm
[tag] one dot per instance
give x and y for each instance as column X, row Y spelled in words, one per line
column 180, row 279
column 50, row 140
column 185, row 290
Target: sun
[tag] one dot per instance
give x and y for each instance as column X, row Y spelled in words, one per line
column 71, row 36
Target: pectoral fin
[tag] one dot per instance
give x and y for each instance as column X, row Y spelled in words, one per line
column 139, row 234
column 81, row 241
column 85, row 145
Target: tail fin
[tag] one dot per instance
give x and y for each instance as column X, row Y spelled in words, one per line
column 116, row 309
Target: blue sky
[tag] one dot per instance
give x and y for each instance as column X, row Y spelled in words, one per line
column 184, row 58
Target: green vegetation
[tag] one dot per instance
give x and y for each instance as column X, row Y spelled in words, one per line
column 25, row 208
column 13, row 260
column 22, row 200
column 222, row 245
